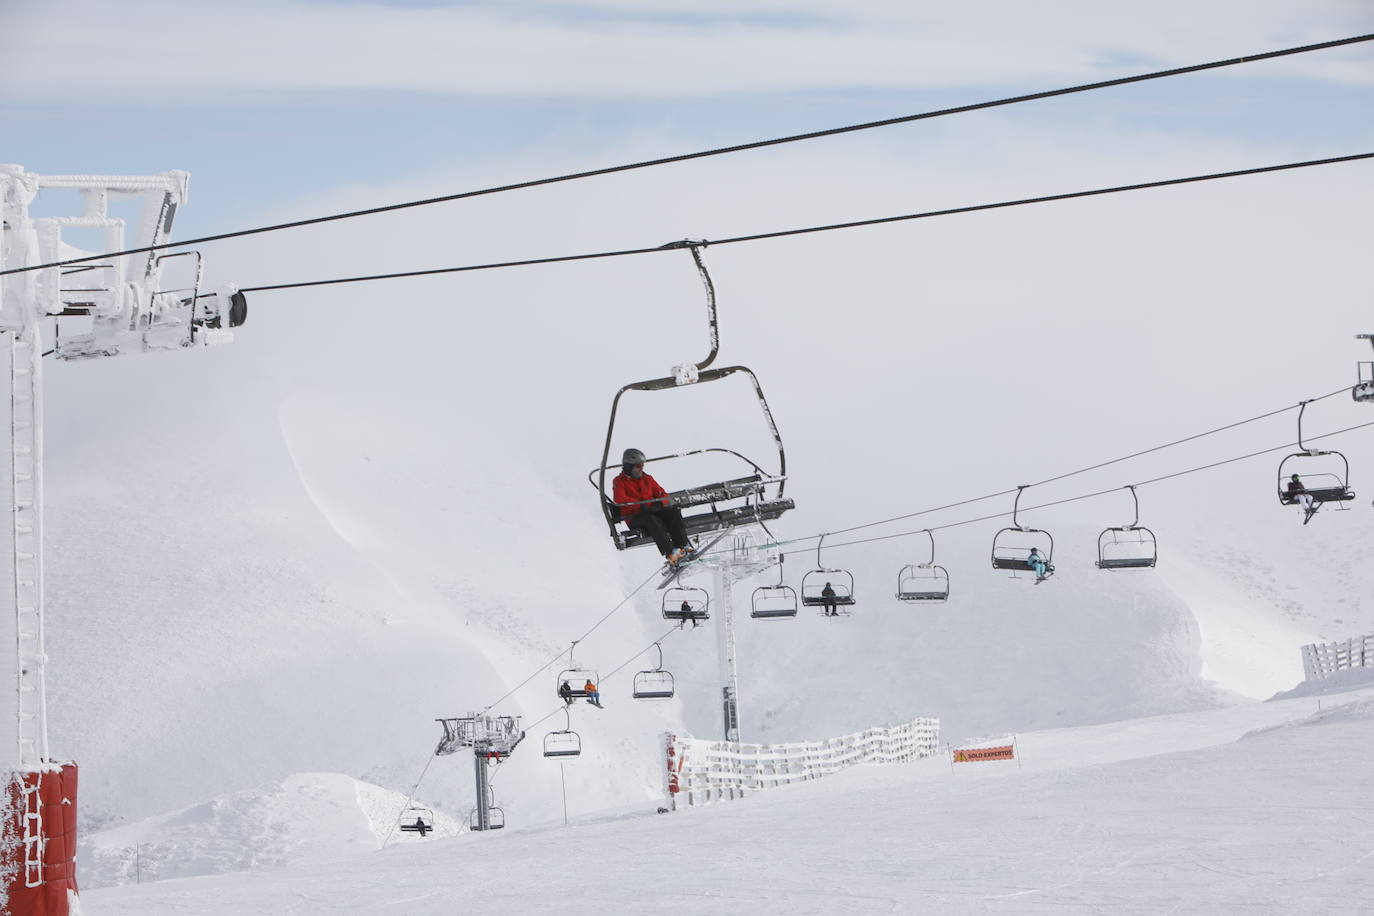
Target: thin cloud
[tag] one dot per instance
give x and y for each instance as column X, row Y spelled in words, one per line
column 635, row 50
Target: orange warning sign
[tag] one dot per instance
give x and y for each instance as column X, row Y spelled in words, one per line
column 970, row 754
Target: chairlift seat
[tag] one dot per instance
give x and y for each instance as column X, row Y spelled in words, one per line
column 773, row 613
column 1013, row 563
column 1321, row 495
column 713, row 520
column 818, row 601
column 940, row 595
column 695, row 611
column 422, row 829
column 1126, row 563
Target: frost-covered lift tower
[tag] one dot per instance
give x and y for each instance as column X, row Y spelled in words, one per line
column 491, row 738
column 103, row 306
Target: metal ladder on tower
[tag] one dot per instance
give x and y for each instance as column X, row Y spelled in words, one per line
column 26, row 503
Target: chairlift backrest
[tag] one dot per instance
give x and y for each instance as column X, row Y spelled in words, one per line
column 576, row 679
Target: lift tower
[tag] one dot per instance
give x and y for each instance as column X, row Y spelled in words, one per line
column 491, row 738
column 102, row 306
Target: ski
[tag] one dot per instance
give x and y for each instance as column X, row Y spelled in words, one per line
column 670, row 573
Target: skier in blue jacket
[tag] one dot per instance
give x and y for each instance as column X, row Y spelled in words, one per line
column 1037, row 562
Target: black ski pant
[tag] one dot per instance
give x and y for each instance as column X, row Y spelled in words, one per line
column 664, row 525
column 831, row 610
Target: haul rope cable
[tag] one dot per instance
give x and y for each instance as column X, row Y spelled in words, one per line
column 686, row 157
column 784, row 233
column 1094, row 467
column 887, row 537
column 1060, row 502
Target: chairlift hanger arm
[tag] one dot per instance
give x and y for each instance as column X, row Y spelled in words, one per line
column 695, row 246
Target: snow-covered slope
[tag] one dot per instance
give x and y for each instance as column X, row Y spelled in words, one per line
column 307, row 818
column 1250, row 807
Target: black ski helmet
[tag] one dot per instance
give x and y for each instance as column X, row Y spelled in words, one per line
column 632, row 457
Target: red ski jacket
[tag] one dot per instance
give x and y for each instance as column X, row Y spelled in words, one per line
column 627, row 489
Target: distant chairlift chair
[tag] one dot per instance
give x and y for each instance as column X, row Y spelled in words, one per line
column 841, row 582
column 655, row 683
column 774, row 602
column 417, row 820
column 1325, row 475
column 565, row 742
column 1128, row 547
column 686, row 604
column 1011, row 547
column 923, row 581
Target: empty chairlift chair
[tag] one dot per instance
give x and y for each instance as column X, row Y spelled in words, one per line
column 1128, row 547
column 755, row 497
column 839, row 581
column 774, row 602
column 565, row 742
column 655, row 683
column 1323, row 475
column 1011, row 547
column 923, row 581
column 686, row 604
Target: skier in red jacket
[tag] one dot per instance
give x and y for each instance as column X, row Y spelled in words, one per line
column 644, row 507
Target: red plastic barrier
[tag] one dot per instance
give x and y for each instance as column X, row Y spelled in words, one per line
column 57, row 807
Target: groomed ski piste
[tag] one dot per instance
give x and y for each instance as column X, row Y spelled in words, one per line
column 1254, row 808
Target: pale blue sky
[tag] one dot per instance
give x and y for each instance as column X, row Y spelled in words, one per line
column 252, row 145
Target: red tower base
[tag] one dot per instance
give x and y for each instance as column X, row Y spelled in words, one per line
column 38, row 842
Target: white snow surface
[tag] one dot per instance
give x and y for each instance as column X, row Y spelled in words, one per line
column 307, row 818
column 1255, row 808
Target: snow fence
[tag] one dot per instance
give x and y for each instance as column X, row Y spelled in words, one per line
column 1325, row 659
column 699, row 772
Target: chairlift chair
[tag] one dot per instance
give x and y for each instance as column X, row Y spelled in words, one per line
column 841, row 581
column 923, row 581
column 1325, row 475
column 496, row 819
column 1364, row 385
column 1011, row 546
column 1128, row 546
column 757, row 496
column 565, row 742
column 774, row 602
column 417, row 820
column 576, row 678
column 655, row 683
column 686, row 604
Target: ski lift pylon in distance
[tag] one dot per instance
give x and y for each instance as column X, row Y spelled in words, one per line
column 1323, row 475
column 1011, row 546
column 1128, row 546
column 815, row 582
column 756, row 497
column 774, row 602
column 564, row 742
column 926, row 581
column 654, row 683
column 685, row 603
